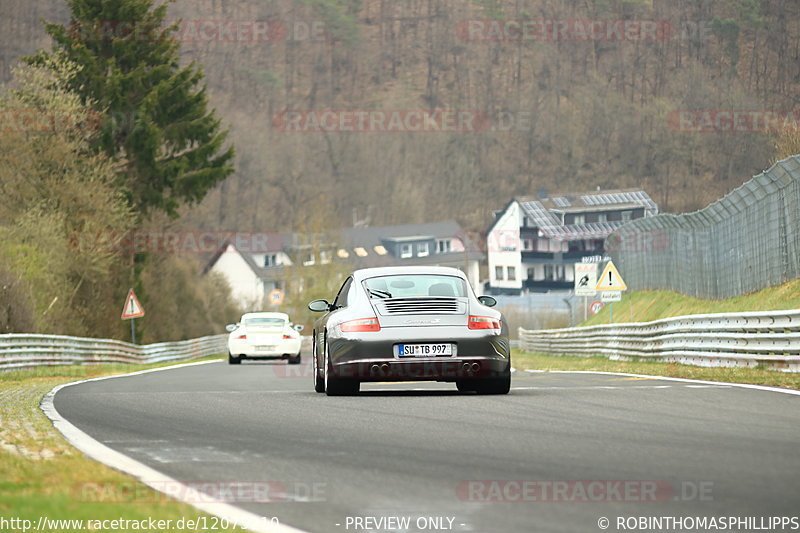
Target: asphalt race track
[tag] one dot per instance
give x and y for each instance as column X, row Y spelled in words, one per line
column 455, row 462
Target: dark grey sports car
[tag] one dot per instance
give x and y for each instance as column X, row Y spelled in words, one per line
column 410, row 324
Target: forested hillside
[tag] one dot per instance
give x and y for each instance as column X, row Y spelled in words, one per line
column 562, row 113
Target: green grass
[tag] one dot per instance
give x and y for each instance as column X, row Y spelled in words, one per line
column 42, row 475
column 644, row 306
column 757, row 376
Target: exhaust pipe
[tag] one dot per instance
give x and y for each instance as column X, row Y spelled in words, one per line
column 379, row 370
column 476, row 367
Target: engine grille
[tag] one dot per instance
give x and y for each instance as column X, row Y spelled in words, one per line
column 424, row 306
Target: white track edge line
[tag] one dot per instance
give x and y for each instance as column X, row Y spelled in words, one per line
column 685, row 380
column 147, row 475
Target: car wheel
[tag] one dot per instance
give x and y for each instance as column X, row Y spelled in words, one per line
column 466, row 385
column 500, row 385
column 337, row 386
column 234, row 360
column 319, row 381
column 294, row 360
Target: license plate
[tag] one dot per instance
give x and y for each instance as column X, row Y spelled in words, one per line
column 423, row 350
column 264, row 348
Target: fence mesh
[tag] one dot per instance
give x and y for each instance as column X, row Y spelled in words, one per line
column 748, row 240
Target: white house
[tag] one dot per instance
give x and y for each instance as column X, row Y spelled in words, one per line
column 535, row 241
column 252, row 275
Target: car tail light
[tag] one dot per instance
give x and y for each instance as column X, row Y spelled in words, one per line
column 287, row 336
column 483, row 322
column 242, row 337
column 360, row 325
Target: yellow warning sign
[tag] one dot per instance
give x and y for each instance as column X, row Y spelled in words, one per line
column 610, row 280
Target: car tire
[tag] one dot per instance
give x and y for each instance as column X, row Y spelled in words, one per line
column 466, row 385
column 294, row 360
column 234, row 360
column 319, row 381
column 338, row 386
column 342, row 387
column 500, row 385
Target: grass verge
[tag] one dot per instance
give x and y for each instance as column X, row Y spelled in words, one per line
column 644, row 306
column 757, row 376
column 41, row 475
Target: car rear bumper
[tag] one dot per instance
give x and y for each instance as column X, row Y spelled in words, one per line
column 430, row 369
column 279, row 348
column 371, row 356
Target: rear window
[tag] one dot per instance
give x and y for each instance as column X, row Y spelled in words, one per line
column 415, row 285
column 264, row 322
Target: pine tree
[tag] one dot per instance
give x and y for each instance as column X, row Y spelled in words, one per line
column 167, row 144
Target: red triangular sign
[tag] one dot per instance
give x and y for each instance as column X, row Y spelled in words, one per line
column 132, row 308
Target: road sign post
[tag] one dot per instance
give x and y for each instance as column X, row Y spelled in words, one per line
column 131, row 311
column 585, row 282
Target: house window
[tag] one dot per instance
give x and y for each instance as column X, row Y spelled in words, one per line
column 324, row 257
column 626, row 216
column 527, row 245
column 549, row 273
column 406, row 250
column 498, row 273
column 531, row 273
column 270, row 260
column 422, row 249
column 512, row 273
column 526, row 222
column 602, row 217
column 308, row 258
column 579, row 219
column 443, row 246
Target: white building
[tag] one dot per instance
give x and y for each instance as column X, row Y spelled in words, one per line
column 534, row 242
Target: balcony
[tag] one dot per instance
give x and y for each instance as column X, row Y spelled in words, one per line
column 547, row 285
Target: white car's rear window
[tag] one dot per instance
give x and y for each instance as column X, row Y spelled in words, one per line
column 266, row 323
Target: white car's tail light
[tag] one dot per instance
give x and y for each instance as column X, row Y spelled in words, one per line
column 360, row 325
column 483, row 322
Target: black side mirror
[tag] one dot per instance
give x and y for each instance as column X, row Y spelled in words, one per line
column 488, row 301
column 319, row 306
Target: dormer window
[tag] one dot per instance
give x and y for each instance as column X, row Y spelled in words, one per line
column 270, row 260
column 443, row 246
column 422, row 249
column 406, row 250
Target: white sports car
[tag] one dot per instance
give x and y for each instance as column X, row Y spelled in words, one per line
column 264, row 336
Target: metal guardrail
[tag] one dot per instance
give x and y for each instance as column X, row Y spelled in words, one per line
column 767, row 338
column 28, row 350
